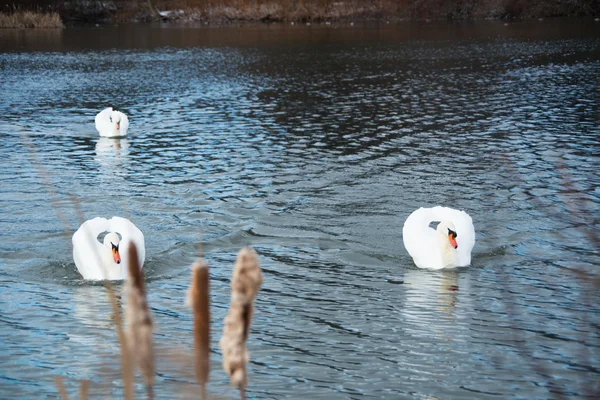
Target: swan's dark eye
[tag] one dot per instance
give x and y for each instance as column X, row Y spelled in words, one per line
column 452, row 233
column 114, row 247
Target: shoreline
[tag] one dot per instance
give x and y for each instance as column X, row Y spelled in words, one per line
column 97, row 12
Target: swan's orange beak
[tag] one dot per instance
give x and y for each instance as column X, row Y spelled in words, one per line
column 116, row 255
column 452, row 239
column 118, row 125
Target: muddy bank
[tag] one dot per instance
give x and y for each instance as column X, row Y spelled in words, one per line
column 111, row 11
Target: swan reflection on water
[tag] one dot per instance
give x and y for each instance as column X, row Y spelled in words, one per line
column 91, row 308
column 94, row 331
column 112, row 146
column 432, row 299
column 111, row 154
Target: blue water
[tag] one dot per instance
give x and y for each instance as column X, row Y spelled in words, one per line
column 312, row 145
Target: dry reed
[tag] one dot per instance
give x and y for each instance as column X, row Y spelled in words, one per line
column 126, row 362
column 83, row 389
column 578, row 211
column 139, row 320
column 245, row 282
column 29, row 19
column 61, row 388
column 198, row 299
column 137, row 341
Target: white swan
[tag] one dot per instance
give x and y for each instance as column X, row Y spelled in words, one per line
column 111, row 123
column 107, row 260
column 447, row 246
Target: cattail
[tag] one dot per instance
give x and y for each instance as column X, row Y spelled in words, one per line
column 83, row 389
column 139, row 321
column 198, row 300
column 61, row 388
column 126, row 364
column 245, row 282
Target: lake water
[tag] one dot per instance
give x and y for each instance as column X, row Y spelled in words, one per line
column 311, row 144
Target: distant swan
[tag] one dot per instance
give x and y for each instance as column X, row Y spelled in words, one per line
column 447, row 246
column 111, row 123
column 107, row 260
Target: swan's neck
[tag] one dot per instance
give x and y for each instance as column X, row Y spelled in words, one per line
column 112, row 270
column 449, row 254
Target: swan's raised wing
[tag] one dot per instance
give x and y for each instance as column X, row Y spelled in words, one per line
column 129, row 234
column 87, row 250
column 464, row 228
column 103, row 124
column 420, row 240
column 124, row 124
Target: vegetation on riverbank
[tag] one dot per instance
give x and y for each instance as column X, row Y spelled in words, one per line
column 106, row 11
column 333, row 10
column 29, row 19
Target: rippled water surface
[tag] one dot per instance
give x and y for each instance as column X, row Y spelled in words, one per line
column 312, row 144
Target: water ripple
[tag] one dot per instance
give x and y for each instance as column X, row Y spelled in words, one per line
column 312, row 146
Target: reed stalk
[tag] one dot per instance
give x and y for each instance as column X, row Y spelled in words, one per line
column 126, row 362
column 198, row 299
column 245, row 282
column 83, row 389
column 125, row 358
column 139, row 321
column 29, row 19
column 61, row 388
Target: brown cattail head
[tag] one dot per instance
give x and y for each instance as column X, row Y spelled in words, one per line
column 138, row 319
column 198, row 300
column 245, row 282
column 247, row 276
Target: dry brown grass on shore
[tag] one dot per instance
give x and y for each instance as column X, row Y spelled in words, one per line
column 280, row 10
column 30, row 19
column 297, row 11
column 20, row 13
column 336, row 10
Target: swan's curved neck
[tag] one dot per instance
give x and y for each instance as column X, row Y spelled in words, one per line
column 449, row 254
column 111, row 268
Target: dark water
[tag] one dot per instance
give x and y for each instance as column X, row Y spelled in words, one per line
column 312, row 144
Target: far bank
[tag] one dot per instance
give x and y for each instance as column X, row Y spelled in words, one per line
column 74, row 12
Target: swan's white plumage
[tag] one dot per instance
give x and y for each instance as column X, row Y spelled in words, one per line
column 111, row 123
column 423, row 242
column 93, row 260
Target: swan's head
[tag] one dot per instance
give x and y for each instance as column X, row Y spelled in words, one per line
column 111, row 242
column 115, row 119
column 447, row 233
